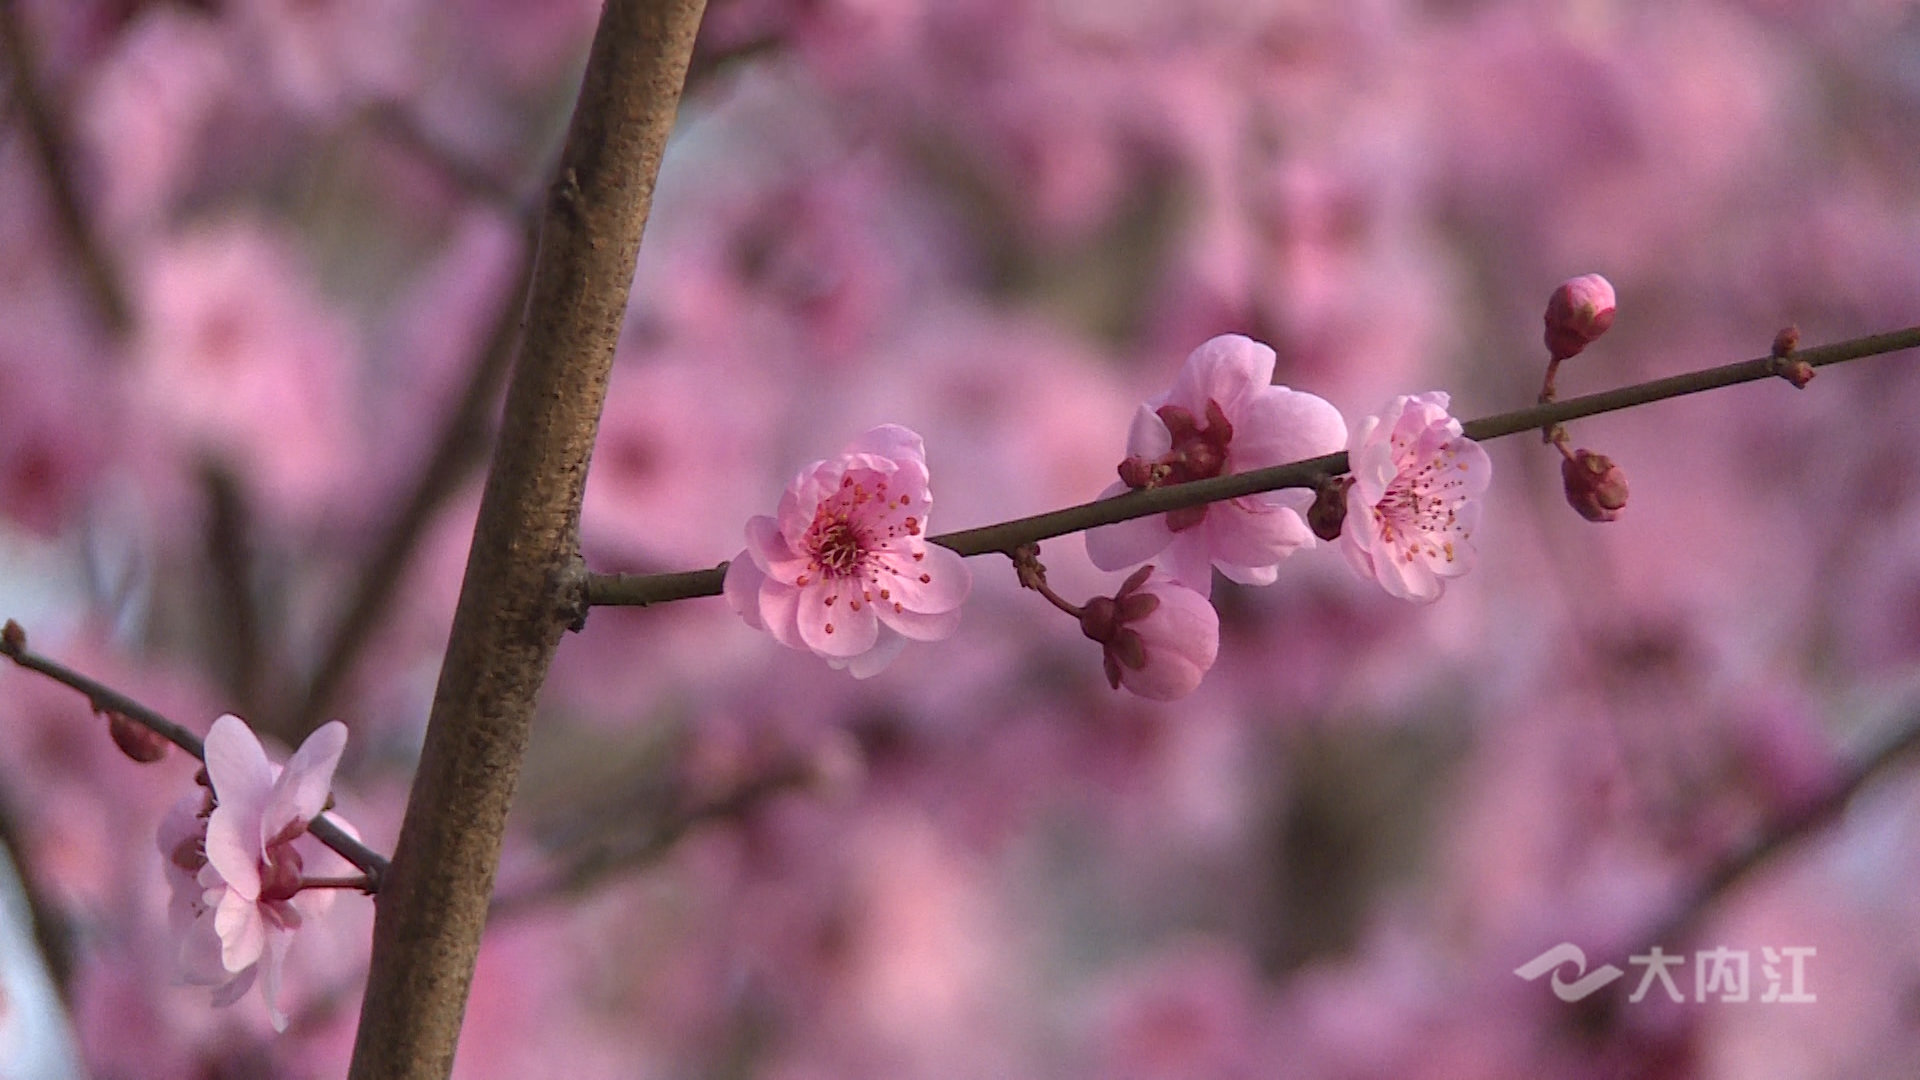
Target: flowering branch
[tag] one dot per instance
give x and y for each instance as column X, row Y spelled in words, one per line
column 614, row 590
column 105, row 699
column 56, row 159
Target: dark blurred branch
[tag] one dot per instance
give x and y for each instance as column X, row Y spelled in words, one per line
column 1786, row 833
column 235, row 614
column 104, row 699
column 643, row 589
column 458, row 451
column 48, row 133
column 639, row 844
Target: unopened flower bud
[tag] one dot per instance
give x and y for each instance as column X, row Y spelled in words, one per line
column 136, row 740
column 1158, row 637
column 1328, row 514
column 1579, row 311
column 13, row 637
column 1796, row 371
column 1596, row 487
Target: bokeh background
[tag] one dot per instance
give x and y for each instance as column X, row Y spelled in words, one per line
column 299, row 233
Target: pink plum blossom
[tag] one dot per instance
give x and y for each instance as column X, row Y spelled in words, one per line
column 844, row 569
column 1157, row 637
column 1414, row 503
column 1222, row 416
column 235, row 875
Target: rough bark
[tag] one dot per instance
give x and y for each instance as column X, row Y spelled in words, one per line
column 523, row 571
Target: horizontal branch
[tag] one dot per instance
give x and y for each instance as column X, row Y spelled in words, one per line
column 105, row 699
column 613, row 590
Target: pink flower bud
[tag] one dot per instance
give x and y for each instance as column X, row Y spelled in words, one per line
column 1596, row 487
column 1579, row 311
column 1157, row 637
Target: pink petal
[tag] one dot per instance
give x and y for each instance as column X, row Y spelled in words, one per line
column 1148, row 436
column 1127, row 543
column 1277, row 426
column 918, row 626
column 242, row 932
column 948, row 580
column 854, row 629
column 242, row 780
column 278, row 942
column 301, row 792
column 742, row 587
column 1246, row 532
column 890, row 441
column 1224, row 369
column 768, row 548
column 874, row 660
column 780, row 612
column 1189, row 561
column 235, row 988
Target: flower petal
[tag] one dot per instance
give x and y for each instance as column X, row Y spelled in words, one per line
column 870, row 663
column 1188, row 561
column 1253, row 534
column 830, row 623
column 242, row 932
column 1127, row 543
column 242, row 782
column 939, row 581
column 1148, row 436
column 1277, row 426
column 301, row 791
column 742, row 585
column 1224, row 369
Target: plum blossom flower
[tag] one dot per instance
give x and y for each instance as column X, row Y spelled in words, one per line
column 1157, row 637
column 1414, row 504
column 844, row 569
column 1221, row 416
column 230, row 859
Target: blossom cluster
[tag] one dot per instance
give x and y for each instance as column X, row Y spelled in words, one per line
column 845, row 569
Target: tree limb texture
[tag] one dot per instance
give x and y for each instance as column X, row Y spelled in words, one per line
column 523, row 571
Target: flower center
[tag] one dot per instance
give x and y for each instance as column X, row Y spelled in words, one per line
column 1198, row 452
column 1421, row 501
column 836, row 549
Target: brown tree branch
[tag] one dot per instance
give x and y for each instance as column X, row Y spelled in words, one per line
column 105, row 699
column 523, row 572
column 56, row 160
column 644, row 589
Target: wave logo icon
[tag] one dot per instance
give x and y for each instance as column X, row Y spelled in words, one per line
column 1559, row 956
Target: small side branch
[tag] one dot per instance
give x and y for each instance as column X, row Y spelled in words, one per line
column 105, row 699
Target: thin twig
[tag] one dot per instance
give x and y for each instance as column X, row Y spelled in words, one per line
column 643, row 589
column 655, row 840
column 1726, row 874
column 56, row 160
column 458, row 452
column 105, row 699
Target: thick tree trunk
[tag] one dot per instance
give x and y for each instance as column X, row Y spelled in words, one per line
column 523, row 572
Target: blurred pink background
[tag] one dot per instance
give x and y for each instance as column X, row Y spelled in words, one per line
column 1002, row 223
